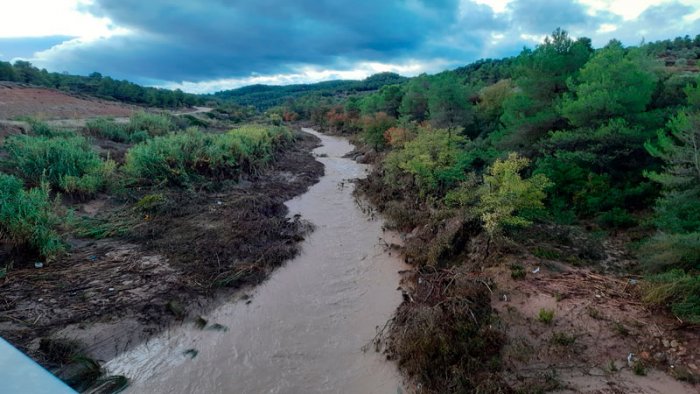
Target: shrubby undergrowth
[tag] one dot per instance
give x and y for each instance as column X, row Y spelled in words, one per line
column 67, row 163
column 186, row 157
column 27, row 217
column 141, row 126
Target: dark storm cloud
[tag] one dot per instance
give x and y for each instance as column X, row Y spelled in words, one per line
column 659, row 22
column 187, row 40
column 25, row 47
column 543, row 16
column 205, row 40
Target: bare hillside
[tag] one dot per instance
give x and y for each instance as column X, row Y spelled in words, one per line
column 20, row 100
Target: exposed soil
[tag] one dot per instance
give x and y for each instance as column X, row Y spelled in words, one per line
column 111, row 294
column 601, row 338
column 17, row 100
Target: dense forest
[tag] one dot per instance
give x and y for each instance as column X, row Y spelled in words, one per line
column 96, row 85
column 606, row 139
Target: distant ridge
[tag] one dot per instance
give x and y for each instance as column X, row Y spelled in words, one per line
column 266, row 96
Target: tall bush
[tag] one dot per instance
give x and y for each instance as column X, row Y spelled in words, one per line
column 69, row 163
column 27, row 217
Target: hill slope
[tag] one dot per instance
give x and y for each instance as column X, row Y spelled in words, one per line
column 18, row 100
column 265, row 96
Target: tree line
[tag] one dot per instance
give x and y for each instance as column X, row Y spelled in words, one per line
column 97, row 85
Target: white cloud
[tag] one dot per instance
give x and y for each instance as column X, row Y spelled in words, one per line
column 628, row 9
column 498, row 6
column 41, row 18
column 606, row 28
column 536, row 38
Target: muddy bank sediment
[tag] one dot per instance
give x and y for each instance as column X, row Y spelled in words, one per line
column 304, row 329
column 111, row 294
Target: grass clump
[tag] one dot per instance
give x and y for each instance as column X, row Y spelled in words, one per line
column 141, row 126
column 43, row 129
column 97, row 228
column 68, row 164
column 184, row 158
column 638, row 368
column 109, row 129
column 668, row 251
column 563, row 339
column 679, row 290
column 517, row 271
column 546, row 316
column 151, row 202
column 153, row 124
column 27, row 217
column 546, row 253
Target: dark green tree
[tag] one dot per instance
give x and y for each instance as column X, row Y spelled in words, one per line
column 614, row 83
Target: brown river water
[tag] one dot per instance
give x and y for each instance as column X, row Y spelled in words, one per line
column 305, row 327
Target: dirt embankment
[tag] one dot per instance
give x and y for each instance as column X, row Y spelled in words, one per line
column 18, row 100
column 550, row 308
column 177, row 255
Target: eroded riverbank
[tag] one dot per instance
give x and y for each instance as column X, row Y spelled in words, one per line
column 303, row 330
column 107, row 295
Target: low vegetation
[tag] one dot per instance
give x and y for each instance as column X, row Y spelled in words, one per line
column 546, row 316
column 141, row 126
column 67, row 163
column 183, row 158
column 27, row 217
column 51, row 160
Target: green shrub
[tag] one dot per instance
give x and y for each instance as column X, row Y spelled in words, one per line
column 151, row 202
column 69, row 164
column 506, row 198
column 153, row 124
column 431, row 162
column 183, row 158
column 517, row 271
column 677, row 288
column 27, row 217
column 667, row 251
column 139, row 136
column 141, row 126
column 106, row 128
column 546, row 316
column 563, row 339
column 43, row 129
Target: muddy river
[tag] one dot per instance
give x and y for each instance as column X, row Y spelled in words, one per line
column 303, row 330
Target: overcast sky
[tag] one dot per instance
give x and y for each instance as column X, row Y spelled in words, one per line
column 210, row 45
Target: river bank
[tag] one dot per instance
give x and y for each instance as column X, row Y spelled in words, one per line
column 304, row 329
column 538, row 309
column 108, row 295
